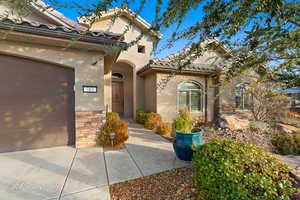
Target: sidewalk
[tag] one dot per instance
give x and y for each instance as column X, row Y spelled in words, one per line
column 146, row 153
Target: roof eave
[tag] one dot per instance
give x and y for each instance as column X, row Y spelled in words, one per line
column 61, row 35
column 156, row 68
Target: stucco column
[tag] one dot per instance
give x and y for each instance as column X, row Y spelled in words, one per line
column 134, row 92
column 89, row 107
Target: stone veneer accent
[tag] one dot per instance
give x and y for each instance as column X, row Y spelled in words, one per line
column 88, row 124
column 227, row 108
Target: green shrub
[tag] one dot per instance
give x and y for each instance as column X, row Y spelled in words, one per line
column 113, row 124
column 141, row 116
column 153, row 121
column 164, row 129
column 232, row 170
column 184, row 123
column 287, row 144
column 260, row 126
column 112, row 116
column 121, row 129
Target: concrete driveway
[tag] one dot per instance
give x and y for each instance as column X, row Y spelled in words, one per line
column 66, row 173
column 56, row 173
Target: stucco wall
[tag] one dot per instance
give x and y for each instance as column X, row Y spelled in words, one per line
column 167, row 98
column 209, row 58
column 119, row 26
column 131, row 55
column 85, row 72
column 150, row 93
column 126, row 71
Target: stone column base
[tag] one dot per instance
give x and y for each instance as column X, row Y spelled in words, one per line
column 88, row 124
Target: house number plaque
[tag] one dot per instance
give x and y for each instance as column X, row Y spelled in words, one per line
column 89, row 89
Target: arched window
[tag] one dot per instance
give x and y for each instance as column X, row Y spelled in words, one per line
column 190, row 96
column 242, row 96
column 118, row 76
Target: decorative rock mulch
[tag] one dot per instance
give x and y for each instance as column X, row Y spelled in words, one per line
column 175, row 184
column 259, row 139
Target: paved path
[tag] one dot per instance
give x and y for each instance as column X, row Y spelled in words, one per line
column 293, row 162
column 55, row 173
column 65, row 173
column 146, row 153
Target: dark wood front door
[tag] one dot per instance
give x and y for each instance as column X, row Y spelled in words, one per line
column 118, row 97
column 36, row 105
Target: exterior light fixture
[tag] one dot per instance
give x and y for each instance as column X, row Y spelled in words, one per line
column 112, row 136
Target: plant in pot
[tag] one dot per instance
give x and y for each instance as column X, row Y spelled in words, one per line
column 187, row 136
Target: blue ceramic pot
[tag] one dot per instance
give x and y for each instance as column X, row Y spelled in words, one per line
column 184, row 143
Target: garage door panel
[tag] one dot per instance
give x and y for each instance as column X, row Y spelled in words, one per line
column 36, row 105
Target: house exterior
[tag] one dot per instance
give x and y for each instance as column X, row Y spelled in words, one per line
column 294, row 95
column 52, row 95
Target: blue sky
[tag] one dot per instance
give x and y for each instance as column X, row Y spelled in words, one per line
column 147, row 14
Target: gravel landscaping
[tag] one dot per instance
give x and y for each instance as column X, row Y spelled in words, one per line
column 175, row 184
column 248, row 136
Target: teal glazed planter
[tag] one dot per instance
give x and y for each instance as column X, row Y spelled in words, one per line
column 184, row 143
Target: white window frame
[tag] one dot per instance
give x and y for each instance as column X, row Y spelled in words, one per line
column 239, row 87
column 190, row 96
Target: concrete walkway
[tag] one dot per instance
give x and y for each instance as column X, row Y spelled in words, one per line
column 146, row 153
column 293, row 162
column 55, row 173
column 65, row 173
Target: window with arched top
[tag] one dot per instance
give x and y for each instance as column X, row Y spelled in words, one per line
column 243, row 98
column 190, row 96
column 118, row 76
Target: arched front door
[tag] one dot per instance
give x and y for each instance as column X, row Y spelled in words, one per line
column 118, row 97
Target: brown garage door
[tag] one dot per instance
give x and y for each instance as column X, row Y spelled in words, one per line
column 36, row 105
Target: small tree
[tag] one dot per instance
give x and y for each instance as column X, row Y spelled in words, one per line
column 267, row 104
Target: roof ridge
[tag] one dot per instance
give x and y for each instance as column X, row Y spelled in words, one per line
column 50, row 12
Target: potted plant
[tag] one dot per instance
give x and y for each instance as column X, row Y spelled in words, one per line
column 186, row 136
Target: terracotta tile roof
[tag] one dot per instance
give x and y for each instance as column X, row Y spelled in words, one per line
column 166, row 64
column 60, row 31
column 47, row 11
column 169, row 63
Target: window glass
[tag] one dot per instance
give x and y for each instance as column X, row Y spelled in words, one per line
column 117, row 76
column 195, row 101
column 190, row 96
column 243, row 98
column 184, row 100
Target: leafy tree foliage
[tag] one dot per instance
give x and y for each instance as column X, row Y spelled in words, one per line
column 257, row 32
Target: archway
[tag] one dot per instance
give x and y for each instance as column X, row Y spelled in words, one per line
column 123, row 92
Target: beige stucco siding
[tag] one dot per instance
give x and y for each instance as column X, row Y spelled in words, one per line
column 209, row 58
column 151, row 93
column 85, row 72
column 107, row 91
column 119, row 26
column 167, row 99
column 131, row 55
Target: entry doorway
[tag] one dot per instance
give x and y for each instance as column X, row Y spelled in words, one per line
column 118, row 97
